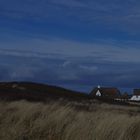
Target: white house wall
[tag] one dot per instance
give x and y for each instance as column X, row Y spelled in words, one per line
column 135, row 98
column 98, row 93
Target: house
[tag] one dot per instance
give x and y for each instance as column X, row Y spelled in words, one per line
column 106, row 92
column 125, row 96
column 136, row 95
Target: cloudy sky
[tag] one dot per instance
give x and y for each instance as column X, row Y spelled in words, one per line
column 77, row 44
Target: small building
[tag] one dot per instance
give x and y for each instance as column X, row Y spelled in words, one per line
column 125, row 96
column 106, row 92
column 136, row 95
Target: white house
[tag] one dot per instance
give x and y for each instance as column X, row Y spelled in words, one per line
column 98, row 93
column 135, row 98
column 136, row 95
column 107, row 92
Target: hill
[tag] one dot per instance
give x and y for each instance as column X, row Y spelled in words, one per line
column 36, row 92
column 31, row 91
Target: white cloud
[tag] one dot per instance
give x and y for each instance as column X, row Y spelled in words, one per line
column 88, row 68
column 72, row 50
column 66, row 63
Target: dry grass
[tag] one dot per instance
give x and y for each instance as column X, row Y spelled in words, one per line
column 22, row 120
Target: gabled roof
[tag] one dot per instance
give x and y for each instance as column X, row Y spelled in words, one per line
column 106, row 91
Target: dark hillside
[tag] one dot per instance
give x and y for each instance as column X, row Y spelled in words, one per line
column 41, row 92
column 34, row 91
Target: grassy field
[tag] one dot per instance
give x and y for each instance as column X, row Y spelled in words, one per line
column 62, row 120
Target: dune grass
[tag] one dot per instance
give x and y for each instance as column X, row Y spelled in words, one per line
column 61, row 120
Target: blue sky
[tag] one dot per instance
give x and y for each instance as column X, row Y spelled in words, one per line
column 76, row 44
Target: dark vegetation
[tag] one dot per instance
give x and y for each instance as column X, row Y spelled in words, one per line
column 73, row 120
column 41, row 92
column 36, row 92
column 30, row 111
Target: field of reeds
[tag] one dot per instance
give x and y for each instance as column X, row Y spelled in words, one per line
column 63, row 120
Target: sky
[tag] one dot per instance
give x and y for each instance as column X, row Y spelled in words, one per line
column 76, row 44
